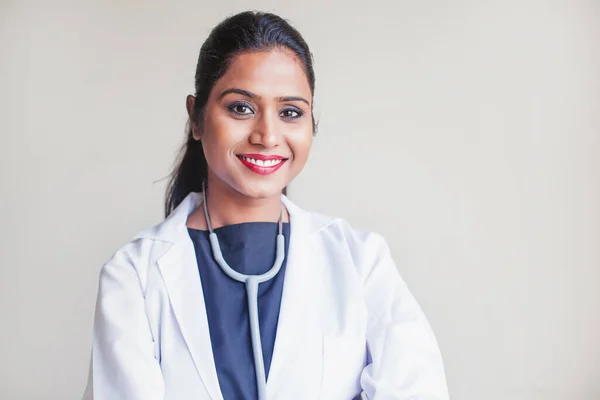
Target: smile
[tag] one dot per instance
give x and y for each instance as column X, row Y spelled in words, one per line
column 261, row 164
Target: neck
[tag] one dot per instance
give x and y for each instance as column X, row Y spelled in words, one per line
column 228, row 207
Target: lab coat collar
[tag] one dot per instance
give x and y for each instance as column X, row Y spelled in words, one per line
column 174, row 228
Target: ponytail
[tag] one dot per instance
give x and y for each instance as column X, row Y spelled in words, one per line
column 187, row 177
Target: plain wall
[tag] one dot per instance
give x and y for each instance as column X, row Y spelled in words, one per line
column 467, row 133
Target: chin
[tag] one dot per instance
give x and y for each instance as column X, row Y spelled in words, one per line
column 261, row 190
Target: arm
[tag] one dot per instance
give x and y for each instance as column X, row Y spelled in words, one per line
column 404, row 359
column 123, row 364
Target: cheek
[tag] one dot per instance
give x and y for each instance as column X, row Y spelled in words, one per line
column 219, row 134
column 300, row 145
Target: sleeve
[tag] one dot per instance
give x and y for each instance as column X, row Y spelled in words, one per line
column 123, row 365
column 404, row 360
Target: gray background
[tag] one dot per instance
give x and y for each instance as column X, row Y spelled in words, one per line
column 466, row 132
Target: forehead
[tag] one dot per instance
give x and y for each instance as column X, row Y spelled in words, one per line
column 272, row 73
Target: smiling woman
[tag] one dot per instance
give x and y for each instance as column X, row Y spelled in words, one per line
column 260, row 103
column 251, row 67
column 239, row 293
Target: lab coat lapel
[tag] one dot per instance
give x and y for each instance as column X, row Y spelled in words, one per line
column 178, row 267
column 297, row 327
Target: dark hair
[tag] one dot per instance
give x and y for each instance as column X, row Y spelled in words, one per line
column 244, row 32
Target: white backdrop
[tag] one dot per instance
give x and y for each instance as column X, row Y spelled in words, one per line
column 467, row 133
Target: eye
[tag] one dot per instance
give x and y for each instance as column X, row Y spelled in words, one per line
column 291, row 113
column 240, row 108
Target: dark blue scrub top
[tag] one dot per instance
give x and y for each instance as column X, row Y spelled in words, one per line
column 248, row 248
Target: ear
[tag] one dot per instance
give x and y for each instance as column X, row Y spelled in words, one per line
column 189, row 105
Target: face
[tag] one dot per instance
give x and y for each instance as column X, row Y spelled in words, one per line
column 257, row 129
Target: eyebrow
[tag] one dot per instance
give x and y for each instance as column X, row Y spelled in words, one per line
column 255, row 96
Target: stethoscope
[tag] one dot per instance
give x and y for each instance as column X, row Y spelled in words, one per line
column 251, row 282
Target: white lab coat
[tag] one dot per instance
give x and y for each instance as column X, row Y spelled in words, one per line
column 347, row 321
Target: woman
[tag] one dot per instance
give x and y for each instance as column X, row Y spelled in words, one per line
column 335, row 319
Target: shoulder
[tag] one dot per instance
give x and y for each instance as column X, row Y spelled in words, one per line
column 330, row 227
column 141, row 252
column 337, row 235
column 338, row 229
column 148, row 245
column 131, row 253
column 134, row 266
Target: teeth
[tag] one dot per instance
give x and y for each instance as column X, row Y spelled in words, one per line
column 261, row 163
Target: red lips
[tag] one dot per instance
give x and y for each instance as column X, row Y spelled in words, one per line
column 262, row 164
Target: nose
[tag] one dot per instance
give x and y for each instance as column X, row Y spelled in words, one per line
column 265, row 132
